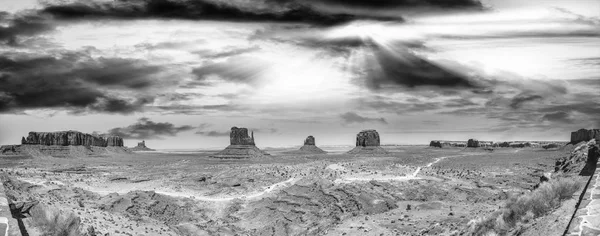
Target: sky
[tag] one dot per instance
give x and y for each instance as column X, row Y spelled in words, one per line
column 181, row 73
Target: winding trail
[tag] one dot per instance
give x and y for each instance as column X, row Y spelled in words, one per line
column 411, row 176
column 266, row 190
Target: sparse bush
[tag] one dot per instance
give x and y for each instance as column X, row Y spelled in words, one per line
column 523, row 209
column 52, row 222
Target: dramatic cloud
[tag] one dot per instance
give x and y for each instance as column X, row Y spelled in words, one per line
column 24, row 24
column 351, row 117
column 559, row 116
column 518, row 100
column 199, row 9
column 144, row 128
column 401, row 66
column 74, row 81
column 239, row 69
column 404, row 3
column 214, row 133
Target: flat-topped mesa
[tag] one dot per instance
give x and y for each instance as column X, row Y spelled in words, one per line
column 239, row 136
column 473, row 143
column 71, row 138
column 584, row 135
column 368, row 138
column 368, row 142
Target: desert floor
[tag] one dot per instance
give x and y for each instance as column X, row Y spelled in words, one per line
column 415, row 190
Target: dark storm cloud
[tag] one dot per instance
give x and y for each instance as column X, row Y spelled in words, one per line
column 24, row 24
column 351, row 117
column 73, row 81
column 401, row 66
column 559, row 116
column 520, row 99
column 199, row 9
column 404, row 3
column 144, row 128
column 395, row 64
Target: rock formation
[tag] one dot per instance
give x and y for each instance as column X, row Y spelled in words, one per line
column 368, row 138
column 65, row 144
column 310, row 140
column 473, row 143
column 241, row 146
column 435, row 144
column 368, row 142
column 141, row 146
column 309, row 147
column 582, row 159
column 584, row 135
column 71, row 138
column 239, row 136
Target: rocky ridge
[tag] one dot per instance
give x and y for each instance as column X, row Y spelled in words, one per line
column 71, row 138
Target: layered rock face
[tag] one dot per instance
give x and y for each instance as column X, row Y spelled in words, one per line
column 368, row 142
column 71, row 138
column 367, row 138
column 584, row 135
column 473, row 143
column 239, row 136
column 241, row 146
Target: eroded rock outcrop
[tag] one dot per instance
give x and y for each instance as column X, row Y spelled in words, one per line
column 309, row 147
column 368, row 142
column 141, row 146
column 435, row 144
column 582, row 159
column 71, row 138
column 584, row 135
column 241, row 146
column 473, row 143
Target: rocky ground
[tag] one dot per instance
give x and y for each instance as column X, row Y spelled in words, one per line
column 410, row 191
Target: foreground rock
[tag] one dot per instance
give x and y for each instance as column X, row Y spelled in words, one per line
column 309, row 147
column 368, row 142
column 584, row 135
column 582, row 159
column 141, row 146
column 241, row 146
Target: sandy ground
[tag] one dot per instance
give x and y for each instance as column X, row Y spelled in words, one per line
column 412, row 191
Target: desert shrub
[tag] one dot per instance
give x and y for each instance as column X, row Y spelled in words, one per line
column 52, row 222
column 522, row 209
